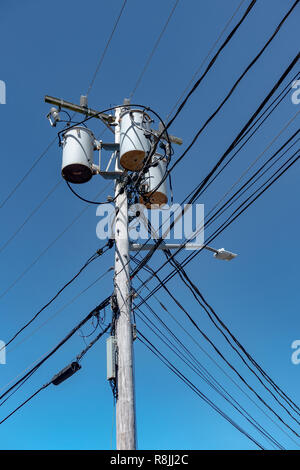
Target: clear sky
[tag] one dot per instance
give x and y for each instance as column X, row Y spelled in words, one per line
column 53, row 48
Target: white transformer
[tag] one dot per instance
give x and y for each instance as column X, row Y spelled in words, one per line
column 77, row 160
column 154, row 187
column 134, row 125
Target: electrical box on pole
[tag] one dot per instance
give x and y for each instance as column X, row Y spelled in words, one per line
column 111, row 357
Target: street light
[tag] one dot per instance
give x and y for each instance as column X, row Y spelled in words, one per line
column 224, row 255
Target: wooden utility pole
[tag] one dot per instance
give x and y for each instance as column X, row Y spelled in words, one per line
column 125, row 406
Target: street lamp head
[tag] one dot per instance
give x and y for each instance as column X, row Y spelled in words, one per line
column 224, row 255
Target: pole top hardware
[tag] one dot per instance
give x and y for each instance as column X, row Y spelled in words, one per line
column 108, row 119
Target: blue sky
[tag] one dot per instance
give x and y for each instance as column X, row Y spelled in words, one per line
column 53, row 48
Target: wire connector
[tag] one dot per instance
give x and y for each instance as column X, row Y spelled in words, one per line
column 110, row 243
column 65, row 373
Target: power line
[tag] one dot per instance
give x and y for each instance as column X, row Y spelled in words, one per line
column 168, row 277
column 32, row 213
column 98, row 253
column 286, row 92
column 63, row 307
column 227, row 40
column 275, row 386
column 51, row 244
column 212, row 315
column 153, row 51
column 197, row 191
column 105, row 49
column 204, row 374
column 181, row 307
column 229, row 364
column 92, row 313
column 166, row 126
column 54, row 379
column 21, row 181
column 204, row 60
column 271, row 38
column 195, row 389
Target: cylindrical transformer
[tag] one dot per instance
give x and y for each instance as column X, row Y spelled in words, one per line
column 134, row 143
column 77, row 160
column 154, row 188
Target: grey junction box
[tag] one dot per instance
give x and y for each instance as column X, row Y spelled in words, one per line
column 111, row 357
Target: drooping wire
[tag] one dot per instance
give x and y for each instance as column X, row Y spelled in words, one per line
column 79, row 358
column 93, row 312
column 98, row 253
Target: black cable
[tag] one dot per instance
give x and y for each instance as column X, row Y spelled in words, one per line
column 193, row 387
column 155, row 246
column 93, row 312
column 196, row 293
column 197, row 191
column 153, row 50
column 287, row 91
column 229, row 364
column 32, row 213
column 88, row 262
column 244, row 131
column 201, row 371
column 169, row 277
column 79, row 358
column 181, row 307
column 240, row 135
column 190, row 257
column 91, row 344
column 246, row 186
column 231, row 91
column 26, row 401
column 227, row 40
column 87, row 200
column 105, row 49
column 21, row 181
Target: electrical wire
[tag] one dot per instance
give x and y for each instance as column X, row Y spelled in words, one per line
column 93, row 312
column 32, row 213
column 105, row 49
column 197, row 253
column 229, row 37
column 21, row 181
column 204, row 60
column 183, row 264
column 87, row 200
column 195, row 389
column 95, row 256
column 205, row 375
column 153, row 51
column 211, row 117
column 79, row 358
column 195, row 193
column 51, row 244
column 166, row 126
column 179, row 324
column 229, row 364
column 216, row 320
